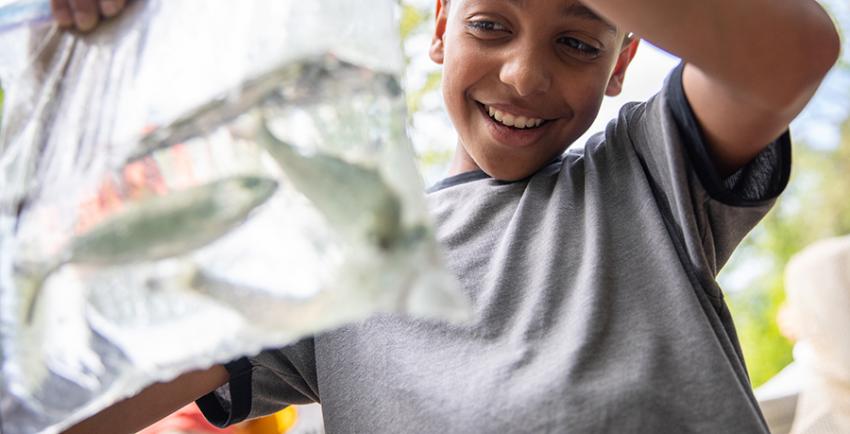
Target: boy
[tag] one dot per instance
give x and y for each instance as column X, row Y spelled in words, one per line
column 592, row 272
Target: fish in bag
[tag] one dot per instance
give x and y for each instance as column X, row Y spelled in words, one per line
column 175, row 195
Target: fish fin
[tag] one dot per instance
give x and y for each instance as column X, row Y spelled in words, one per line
column 32, row 290
column 281, row 151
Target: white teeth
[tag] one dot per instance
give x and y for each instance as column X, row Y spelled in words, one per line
column 512, row 120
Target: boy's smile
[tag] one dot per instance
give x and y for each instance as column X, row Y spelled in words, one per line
column 514, row 126
column 523, row 79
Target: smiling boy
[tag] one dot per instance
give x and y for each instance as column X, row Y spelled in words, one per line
column 550, row 63
column 591, row 271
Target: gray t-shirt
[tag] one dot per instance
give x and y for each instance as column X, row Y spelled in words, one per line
column 596, row 305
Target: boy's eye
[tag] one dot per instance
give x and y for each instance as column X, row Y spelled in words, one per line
column 485, row 26
column 583, row 49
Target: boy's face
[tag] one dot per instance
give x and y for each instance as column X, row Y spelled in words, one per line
column 523, row 79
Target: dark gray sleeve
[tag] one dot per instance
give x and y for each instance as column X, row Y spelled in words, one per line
column 264, row 384
column 712, row 214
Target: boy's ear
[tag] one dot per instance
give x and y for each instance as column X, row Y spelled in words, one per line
column 615, row 84
column 437, row 50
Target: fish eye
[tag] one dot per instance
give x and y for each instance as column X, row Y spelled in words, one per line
column 251, row 182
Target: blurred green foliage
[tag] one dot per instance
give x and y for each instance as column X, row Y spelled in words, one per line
column 412, row 17
column 416, row 20
column 414, row 96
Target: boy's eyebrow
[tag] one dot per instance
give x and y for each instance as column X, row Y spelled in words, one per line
column 582, row 11
column 575, row 9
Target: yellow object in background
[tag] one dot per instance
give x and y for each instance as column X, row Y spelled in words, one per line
column 277, row 423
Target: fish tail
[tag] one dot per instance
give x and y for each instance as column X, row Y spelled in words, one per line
column 30, row 282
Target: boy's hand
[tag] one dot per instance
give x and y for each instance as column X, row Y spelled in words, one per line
column 84, row 14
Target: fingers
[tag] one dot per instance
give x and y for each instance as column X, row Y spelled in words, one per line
column 84, row 14
column 62, row 13
column 111, row 8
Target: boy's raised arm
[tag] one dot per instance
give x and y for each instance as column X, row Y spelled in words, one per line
column 752, row 65
column 153, row 403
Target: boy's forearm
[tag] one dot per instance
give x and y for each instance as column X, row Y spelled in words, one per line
column 769, row 52
column 153, row 403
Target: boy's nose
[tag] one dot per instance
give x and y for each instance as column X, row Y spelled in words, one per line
column 525, row 71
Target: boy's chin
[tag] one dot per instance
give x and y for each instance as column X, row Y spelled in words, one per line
column 511, row 172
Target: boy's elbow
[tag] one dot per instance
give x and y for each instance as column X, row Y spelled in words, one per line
column 818, row 52
column 822, row 49
column 827, row 48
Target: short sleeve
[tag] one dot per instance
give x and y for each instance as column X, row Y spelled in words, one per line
column 264, row 384
column 710, row 214
column 760, row 181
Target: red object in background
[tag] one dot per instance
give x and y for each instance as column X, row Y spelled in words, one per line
column 186, row 420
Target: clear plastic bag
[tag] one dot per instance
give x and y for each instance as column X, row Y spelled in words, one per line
column 196, row 181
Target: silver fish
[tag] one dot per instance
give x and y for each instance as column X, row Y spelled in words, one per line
column 159, row 227
column 257, row 303
column 354, row 199
column 293, row 83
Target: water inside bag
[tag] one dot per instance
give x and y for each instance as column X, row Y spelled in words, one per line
column 163, row 215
